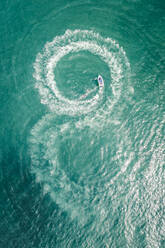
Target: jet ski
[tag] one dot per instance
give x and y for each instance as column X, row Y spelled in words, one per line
column 100, row 81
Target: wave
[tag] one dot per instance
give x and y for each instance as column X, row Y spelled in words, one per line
column 76, row 41
column 69, row 147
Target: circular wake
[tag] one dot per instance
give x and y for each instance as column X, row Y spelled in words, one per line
column 78, row 166
column 72, row 42
column 71, row 152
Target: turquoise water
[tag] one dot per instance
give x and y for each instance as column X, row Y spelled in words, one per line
column 82, row 166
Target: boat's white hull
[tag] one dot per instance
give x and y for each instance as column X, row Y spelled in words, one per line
column 100, row 81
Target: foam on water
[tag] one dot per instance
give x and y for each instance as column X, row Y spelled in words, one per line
column 75, row 41
column 73, row 183
column 81, row 166
column 77, row 183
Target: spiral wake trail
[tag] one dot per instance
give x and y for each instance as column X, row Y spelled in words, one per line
column 82, row 165
column 71, row 190
column 74, row 42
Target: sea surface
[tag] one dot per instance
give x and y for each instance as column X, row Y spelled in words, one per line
column 82, row 166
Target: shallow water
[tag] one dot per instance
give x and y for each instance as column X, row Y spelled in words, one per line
column 82, row 166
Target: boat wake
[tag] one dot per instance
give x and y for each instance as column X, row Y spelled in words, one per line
column 73, row 42
column 69, row 147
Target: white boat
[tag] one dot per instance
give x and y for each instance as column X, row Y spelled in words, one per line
column 100, row 81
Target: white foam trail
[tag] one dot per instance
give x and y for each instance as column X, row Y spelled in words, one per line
column 47, row 134
column 88, row 92
column 76, row 41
